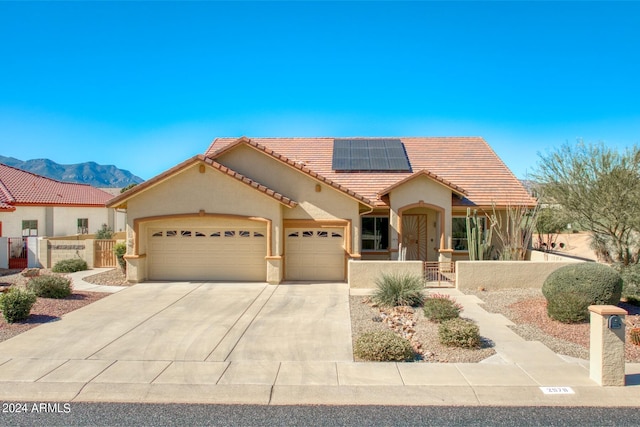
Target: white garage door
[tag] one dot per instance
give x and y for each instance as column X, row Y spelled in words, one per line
column 314, row 254
column 235, row 253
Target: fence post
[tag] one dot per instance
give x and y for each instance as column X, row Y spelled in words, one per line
column 606, row 348
column 32, row 252
column 90, row 252
column 4, row 252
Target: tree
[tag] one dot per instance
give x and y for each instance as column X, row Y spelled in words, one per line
column 104, row 233
column 599, row 188
column 551, row 221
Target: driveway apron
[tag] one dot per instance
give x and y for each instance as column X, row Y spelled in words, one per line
column 180, row 321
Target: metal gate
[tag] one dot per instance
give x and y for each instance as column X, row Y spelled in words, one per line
column 17, row 252
column 103, row 254
column 440, row 274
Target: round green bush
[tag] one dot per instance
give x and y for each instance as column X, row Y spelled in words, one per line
column 70, row 266
column 383, row 346
column 399, row 289
column 16, row 304
column 571, row 289
column 439, row 308
column 49, row 286
column 459, row 333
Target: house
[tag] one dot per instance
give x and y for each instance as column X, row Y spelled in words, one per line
column 274, row 209
column 33, row 205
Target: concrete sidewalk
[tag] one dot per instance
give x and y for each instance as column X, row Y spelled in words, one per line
column 128, row 360
column 80, row 285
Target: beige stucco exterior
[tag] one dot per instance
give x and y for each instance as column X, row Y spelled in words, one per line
column 492, row 275
column 55, row 221
column 316, row 200
column 363, row 274
column 196, row 196
column 247, row 182
column 422, row 195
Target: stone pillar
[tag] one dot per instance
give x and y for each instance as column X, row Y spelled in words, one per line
column 606, row 349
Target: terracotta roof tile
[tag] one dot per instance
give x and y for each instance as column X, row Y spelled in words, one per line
column 468, row 163
column 18, row 187
column 293, row 163
column 121, row 199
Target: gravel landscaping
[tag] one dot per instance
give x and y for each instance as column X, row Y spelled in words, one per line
column 525, row 307
column 45, row 309
column 411, row 323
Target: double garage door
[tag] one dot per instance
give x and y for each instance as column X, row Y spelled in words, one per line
column 233, row 251
column 236, row 250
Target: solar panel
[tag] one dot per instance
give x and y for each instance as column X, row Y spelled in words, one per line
column 363, row 154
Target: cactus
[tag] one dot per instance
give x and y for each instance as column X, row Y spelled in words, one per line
column 479, row 242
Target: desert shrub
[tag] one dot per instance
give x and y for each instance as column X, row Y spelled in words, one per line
column 459, row 332
column 630, row 282
column 571, row 289
column 399, row 289
column 383, row 346
column 70, row 265
column 120, row 249
column 104, row 233
column 569, row 307
column 48, row 286
column 439, row 307
column 16, row 304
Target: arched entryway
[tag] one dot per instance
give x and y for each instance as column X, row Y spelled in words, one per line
column 421, row 231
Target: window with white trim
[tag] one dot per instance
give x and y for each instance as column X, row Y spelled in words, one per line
column 30, row 227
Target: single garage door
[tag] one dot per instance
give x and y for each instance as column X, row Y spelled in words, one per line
column 235, row 253
column 314, row 254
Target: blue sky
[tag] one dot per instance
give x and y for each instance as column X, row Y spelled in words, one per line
column 145, row 85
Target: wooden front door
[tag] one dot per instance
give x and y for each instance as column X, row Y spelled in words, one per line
column 414, row 236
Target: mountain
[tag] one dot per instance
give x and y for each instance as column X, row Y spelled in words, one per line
column 82, row 173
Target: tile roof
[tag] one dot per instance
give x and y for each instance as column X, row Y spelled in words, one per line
column 18, row 187
column 293, row 163
column 122, row 198
column 467, row 163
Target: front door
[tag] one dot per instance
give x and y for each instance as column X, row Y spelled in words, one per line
column 414, row 236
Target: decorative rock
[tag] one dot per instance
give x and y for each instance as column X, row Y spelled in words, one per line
column 30, row 272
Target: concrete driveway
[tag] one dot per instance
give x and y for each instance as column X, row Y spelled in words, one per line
column 179, row 321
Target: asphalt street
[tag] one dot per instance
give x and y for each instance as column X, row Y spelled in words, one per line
column 130, row 414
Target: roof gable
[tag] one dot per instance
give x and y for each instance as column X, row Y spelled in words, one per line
column 121, row 200
column 300, row 166
column 18, row 187
column 425, row 173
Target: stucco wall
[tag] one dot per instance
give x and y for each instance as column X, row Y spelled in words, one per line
column 58, row 250
column 546, row 256
column 363, row 274
column 55, row 221
column 189, row 192
column 328, row 203
column 12, row 221
column 504, row 274
column 422, row 189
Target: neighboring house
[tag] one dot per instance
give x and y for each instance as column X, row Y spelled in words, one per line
column 273, row 209
column 33, row 205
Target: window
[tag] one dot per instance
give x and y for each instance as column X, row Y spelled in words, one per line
column 30, row 227
column 459, row 232
column 83, row 225
column 375, row 233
